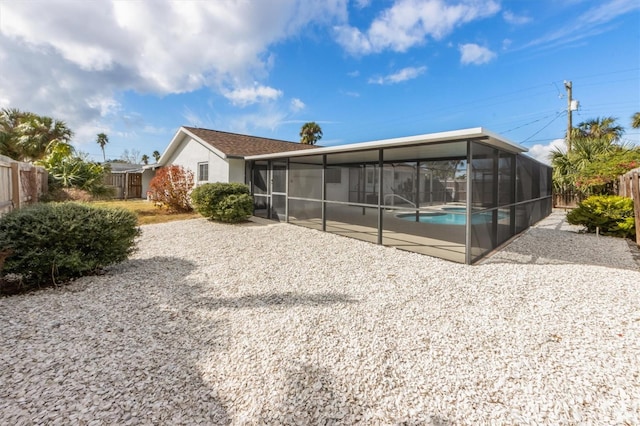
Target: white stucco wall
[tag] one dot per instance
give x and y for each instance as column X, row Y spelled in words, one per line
column 236, row 170
column 339, row 191
column 191, row 152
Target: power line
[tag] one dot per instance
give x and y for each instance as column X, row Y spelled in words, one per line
column 528, row 124
column 560, row 114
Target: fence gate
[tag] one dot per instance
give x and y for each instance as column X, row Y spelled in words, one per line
column 134, row 189
column 127, row 185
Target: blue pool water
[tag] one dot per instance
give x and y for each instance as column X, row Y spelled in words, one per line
column 450, row 216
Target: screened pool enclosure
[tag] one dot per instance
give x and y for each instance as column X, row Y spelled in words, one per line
column 454, row 195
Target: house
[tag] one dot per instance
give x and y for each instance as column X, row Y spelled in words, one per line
column 215, row 156
column 457, row 195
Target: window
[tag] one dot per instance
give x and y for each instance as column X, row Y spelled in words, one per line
column 203, row 172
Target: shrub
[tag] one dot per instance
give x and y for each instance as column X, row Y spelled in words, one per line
column 58, row 241
column 226, row 202
column 171, row 186
column 612, row 214
column 67, row 170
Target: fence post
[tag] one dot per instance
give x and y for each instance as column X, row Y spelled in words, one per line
column 635, row 194
column 15, row 185
column 126, row 185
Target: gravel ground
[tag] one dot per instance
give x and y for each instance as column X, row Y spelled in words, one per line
column 277, row 324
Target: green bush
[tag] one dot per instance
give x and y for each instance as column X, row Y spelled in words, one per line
column 613, row 215
column 55, row 242
column 225, row 202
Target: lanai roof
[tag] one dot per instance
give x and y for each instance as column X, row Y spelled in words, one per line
column 431, row 145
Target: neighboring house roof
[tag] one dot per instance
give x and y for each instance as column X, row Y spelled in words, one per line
column 227, row 145
column 124, row 167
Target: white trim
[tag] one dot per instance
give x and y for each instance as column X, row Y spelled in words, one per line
column 177, row 139
column 472, row 133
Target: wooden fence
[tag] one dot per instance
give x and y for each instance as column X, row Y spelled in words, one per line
column 566, row 199
column 20, row 184
column 629, row 186
column 127, row 185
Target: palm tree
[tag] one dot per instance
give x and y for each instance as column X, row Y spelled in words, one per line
column 145, row 159
column 38, row 136
column 10, row 119
column 102, row 140
column 599, row 128
column 310, row 133
column 591, row 141
column 635, row 120
column 156, row 155
column 25, row 136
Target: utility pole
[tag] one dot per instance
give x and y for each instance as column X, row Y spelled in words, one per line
column 568, row 86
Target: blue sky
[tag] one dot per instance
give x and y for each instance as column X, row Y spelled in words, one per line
column 363, row 69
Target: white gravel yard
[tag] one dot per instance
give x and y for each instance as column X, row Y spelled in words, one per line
column 278, row 324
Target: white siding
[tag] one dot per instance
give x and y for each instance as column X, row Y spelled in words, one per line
column 190, row 152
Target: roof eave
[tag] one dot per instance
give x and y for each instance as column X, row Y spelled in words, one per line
column 455, row 135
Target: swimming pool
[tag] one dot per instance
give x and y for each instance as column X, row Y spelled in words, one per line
column 451, row 216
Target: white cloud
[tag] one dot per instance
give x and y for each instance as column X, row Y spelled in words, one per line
column 592, row 22
column 74, row 59
column 404, row 74
column 514, row 19
column 543, row 152
column 297, row 105
column 253, row 94
column 409, row 22
column 472, row 53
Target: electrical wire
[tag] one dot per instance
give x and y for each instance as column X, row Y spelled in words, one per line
column 560, row 114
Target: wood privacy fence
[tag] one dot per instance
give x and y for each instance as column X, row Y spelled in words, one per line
column 629, row 186
column 20, row 184
column 126, row 185
column 566, row 199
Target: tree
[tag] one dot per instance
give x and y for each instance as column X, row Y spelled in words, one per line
column 310, row 133
column 25, row 136
column 635, row 120
column 131, row 157
column 604, row 129
column 10, row 119
column 145, row 159
column 102, row 140
column 156, row 156
column 596, row 158
column 69, row 169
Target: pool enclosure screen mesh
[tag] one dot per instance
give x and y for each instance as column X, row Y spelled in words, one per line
column 456, row 200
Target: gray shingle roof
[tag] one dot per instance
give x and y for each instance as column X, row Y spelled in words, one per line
column 237, row 145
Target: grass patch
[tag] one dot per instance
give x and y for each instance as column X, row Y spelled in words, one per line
column 146, row 211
